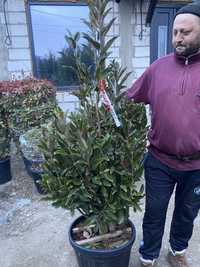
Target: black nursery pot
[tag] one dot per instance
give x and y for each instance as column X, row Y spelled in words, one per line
column 118, row 257
column 27, row 164
column 37, row 177
column 5, row 173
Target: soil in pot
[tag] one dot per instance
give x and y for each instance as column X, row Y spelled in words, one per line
column 114, row 241
column 117, row 253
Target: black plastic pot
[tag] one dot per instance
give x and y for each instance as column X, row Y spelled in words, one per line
column 5, row 173
column 118, row 257
column 27, row 164
column 36, row 175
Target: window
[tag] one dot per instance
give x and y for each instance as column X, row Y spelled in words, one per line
column 52, row 57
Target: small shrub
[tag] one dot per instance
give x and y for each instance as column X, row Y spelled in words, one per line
column 26, row 104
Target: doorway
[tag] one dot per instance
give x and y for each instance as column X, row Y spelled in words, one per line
column 161, row 31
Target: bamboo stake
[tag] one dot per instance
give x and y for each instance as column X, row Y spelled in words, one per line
column 83, row 228
column 103, row 237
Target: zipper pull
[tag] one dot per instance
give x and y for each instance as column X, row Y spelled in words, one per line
column 186, row 61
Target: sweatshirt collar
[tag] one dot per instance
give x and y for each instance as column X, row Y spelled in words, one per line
column 188, row 60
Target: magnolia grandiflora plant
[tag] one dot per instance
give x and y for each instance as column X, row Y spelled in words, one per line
column 90, row 164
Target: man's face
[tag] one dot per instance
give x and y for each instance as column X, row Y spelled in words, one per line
column 186, row 34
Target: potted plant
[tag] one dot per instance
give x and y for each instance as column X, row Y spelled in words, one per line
column 24, row 104
column 32, row 155
column 5, row 172
column 30, row 103
column 92, row 156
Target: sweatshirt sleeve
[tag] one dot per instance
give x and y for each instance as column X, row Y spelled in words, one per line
column 139, row 91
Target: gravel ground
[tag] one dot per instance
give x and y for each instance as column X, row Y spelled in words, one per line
column 34, row 234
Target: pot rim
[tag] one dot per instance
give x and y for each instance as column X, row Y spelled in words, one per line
column 99, row 251
column 5, row 159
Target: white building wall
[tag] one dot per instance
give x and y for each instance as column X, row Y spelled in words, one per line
column 3, row 54
column 141, row 40
column 19, row 53
column 114, row 31
column 67, row 102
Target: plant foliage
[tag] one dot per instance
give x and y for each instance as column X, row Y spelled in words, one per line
column 90, row 164
column 4, row 133
column 24, row 104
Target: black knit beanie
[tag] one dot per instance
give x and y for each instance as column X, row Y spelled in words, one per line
column 193, row 8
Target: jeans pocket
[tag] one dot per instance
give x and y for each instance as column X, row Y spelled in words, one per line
column 144, row 159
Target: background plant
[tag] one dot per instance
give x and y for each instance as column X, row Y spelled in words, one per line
column 24, row 104
column 90, row 164
column 28, row 103
column 4, row 131
column 61, row 69
column 29, row 144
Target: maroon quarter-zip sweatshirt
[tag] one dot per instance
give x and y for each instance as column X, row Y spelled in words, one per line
column 171, row 85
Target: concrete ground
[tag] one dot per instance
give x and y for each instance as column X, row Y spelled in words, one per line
column 35, row 234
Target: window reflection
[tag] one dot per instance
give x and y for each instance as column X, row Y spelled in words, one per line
column 162, row 40
column 53, row 58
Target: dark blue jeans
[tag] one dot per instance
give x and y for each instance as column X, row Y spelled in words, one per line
column 160, row 183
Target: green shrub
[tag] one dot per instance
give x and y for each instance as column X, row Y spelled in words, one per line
column 29, row 144
column 25, row 104
column 31, row 102
column 90, row 164
column 4, row 129
column 4, row 141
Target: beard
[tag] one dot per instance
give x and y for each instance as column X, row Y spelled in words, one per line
column 187, row 50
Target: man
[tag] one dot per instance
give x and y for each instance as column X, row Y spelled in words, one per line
column 171, row 86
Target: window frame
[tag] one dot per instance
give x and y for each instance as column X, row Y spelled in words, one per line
column 171, row 8
column 30, row 28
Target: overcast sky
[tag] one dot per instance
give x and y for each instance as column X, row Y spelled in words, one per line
column 50, row 24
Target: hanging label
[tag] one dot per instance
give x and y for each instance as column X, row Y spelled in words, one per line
column 107, row 103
